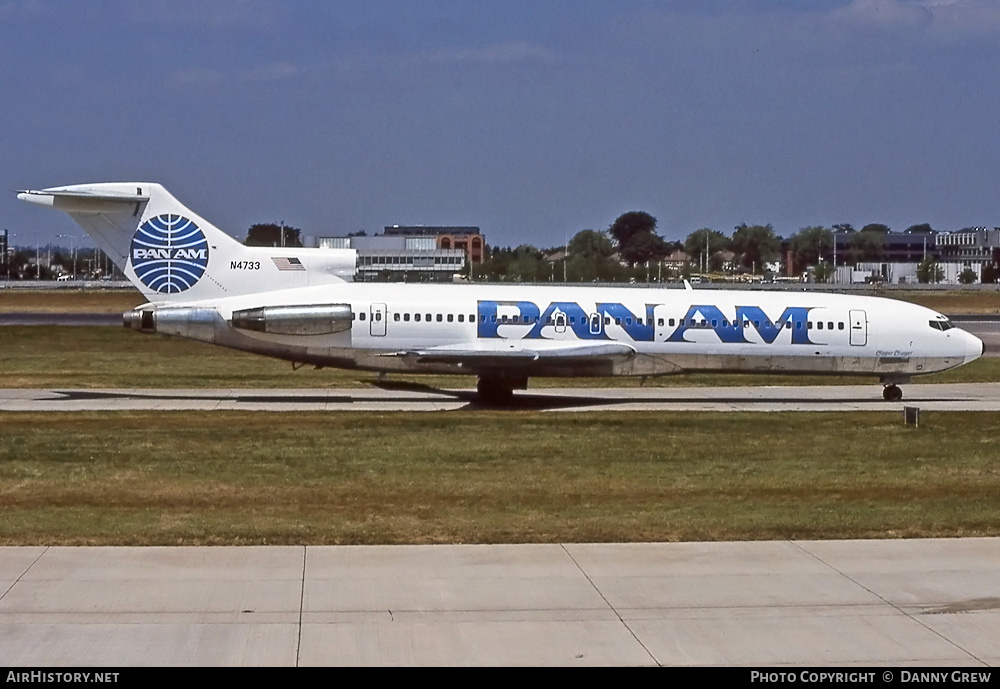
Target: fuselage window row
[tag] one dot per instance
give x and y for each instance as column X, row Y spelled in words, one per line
column 595, row 321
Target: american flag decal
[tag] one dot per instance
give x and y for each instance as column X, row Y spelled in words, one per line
column 288, row 263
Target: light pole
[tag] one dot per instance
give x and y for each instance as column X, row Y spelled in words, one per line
column 7, row 234
column 74, row 238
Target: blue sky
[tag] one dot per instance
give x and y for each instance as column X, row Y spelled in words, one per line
column 533, row 120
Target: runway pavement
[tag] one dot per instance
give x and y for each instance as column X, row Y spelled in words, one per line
column 407, row 397
column 813, row 603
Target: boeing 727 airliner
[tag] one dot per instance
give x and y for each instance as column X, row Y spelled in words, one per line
column 299, row 305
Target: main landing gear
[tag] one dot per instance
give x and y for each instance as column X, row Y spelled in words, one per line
column 498, row 391
column 892, row 393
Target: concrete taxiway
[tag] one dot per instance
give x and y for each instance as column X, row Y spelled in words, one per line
column 818, row 603
column 406, row 397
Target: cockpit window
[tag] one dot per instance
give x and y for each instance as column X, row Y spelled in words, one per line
column 942, row 325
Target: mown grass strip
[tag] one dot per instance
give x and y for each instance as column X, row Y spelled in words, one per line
column 229, row 477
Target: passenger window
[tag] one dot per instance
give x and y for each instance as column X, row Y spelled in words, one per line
column 406, row 317
column 840, row 326
column 428, row 316
column 395, row 316
column 809, row 326
column 628, row 321
column 820, row 325
column 659, row 321
column 829, row 325
column 715, row 323
column 461, row 318
column 440, row 318
column 416, row 316
column 451, row 318
column 362, row 315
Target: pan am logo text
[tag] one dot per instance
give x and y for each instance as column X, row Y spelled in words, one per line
column 169, row 253
column 639, row 325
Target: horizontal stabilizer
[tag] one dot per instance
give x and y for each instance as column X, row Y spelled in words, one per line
column 86, row 201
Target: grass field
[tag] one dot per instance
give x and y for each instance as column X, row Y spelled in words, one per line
column 478, row 477
column 69, row 301
column 460, row 477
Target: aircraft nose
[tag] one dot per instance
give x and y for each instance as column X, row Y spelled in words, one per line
column 973, row 347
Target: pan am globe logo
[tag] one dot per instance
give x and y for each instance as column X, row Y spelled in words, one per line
column 169, row 253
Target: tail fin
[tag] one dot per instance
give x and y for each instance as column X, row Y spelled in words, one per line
column 172, row 254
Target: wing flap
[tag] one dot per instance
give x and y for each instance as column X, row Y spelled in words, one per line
column 507, row 353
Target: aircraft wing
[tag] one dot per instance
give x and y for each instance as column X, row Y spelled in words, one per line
column 506, row 353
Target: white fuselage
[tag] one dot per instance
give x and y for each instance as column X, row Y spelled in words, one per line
column 670, row 330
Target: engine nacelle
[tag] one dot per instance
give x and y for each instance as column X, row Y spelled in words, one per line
column 315, row 319
column 193, row 323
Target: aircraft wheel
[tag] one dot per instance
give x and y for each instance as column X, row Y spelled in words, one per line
column 892, row 393
column 495, row 391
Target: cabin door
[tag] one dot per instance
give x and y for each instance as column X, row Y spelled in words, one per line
column 859, row 328
column 560, row 321
column 595, row 323
column 377, row 322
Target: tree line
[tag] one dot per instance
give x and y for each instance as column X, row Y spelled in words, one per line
column 631, row 249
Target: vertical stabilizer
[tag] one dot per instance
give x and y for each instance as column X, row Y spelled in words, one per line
column 172, row 254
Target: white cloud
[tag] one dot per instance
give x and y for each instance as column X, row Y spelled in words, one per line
column 944, row 19
column 882, row 14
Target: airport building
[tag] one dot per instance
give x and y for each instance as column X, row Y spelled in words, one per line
column 445, row 237
column 972, row 247
column 412, row 253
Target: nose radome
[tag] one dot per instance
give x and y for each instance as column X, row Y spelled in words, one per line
column 973, row 347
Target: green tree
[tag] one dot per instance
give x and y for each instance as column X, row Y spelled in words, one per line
column 590, row 258
column 645, row 248
column 528, row 265
column 922, row 228
column 270, row 234
column 823, row 271
column 755, row 245
column 695, row 247
column 869, row 243
column 967, row 276
column 638, row 242
column 989, row 274
column 590, row 244
column 811, row 244
column 928, row 271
